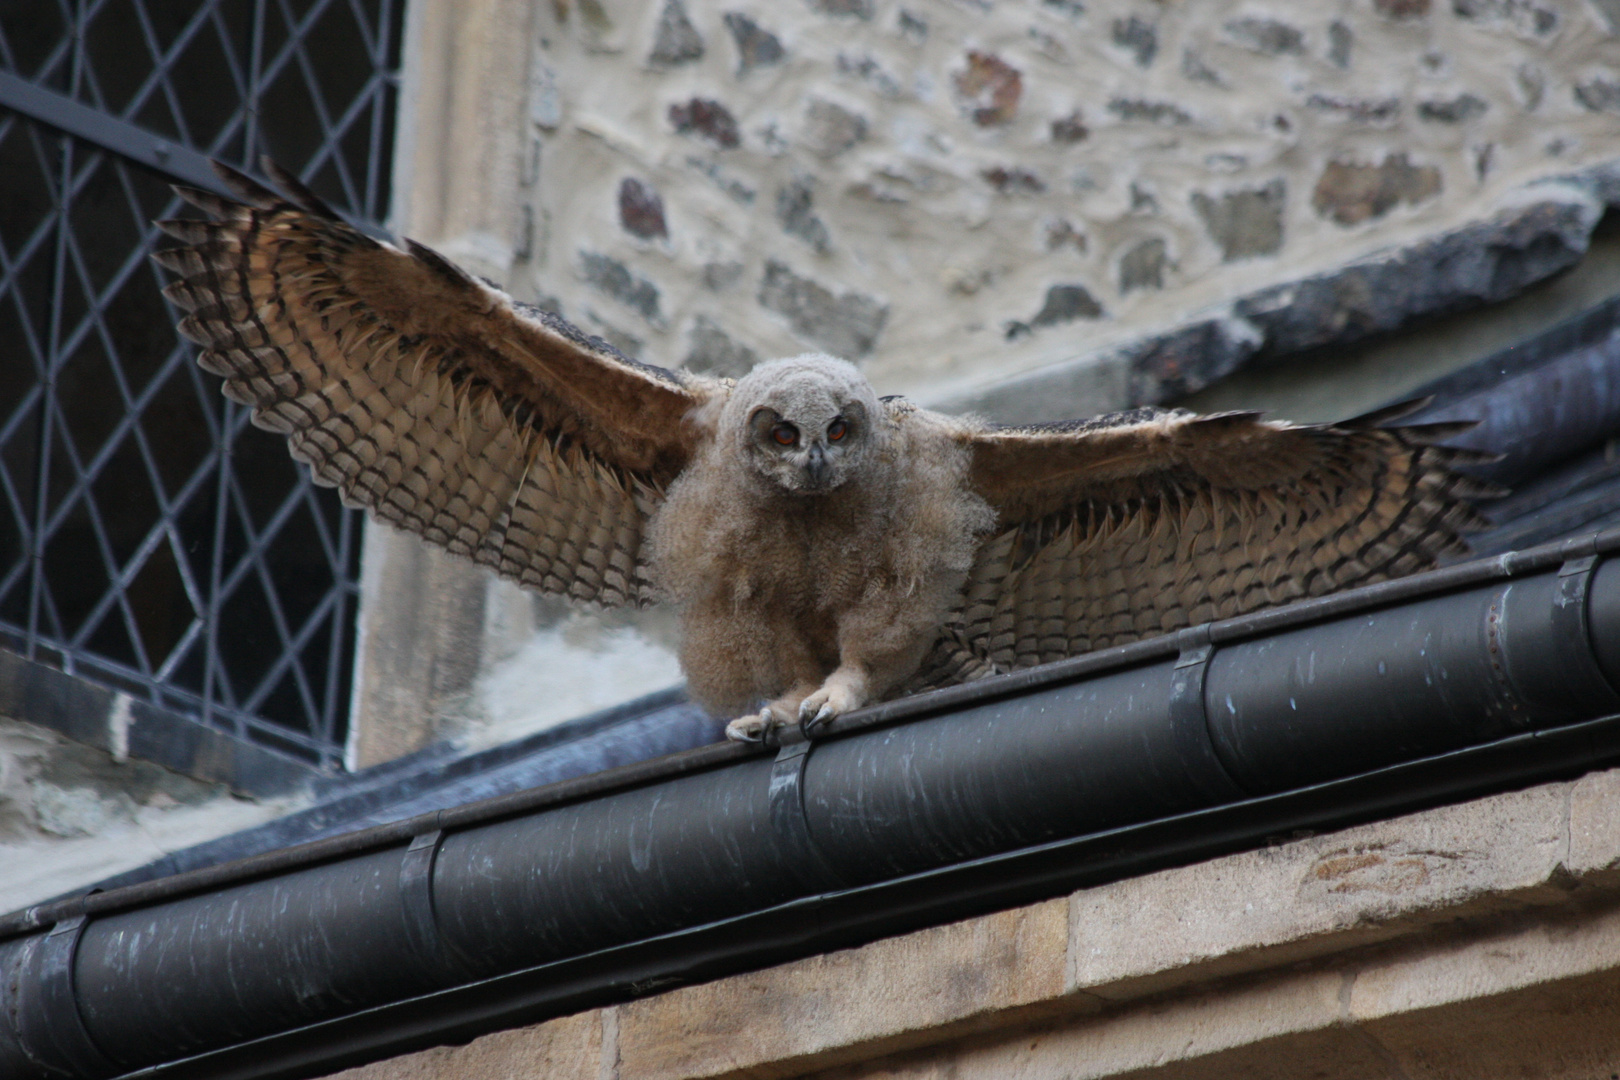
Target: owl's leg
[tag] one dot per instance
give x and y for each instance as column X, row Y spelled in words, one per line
column 881, row 643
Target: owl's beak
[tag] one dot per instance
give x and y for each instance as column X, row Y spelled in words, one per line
column 818, row 466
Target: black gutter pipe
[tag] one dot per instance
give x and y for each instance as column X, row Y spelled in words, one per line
column 721, row 859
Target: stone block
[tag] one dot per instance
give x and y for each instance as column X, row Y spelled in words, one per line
column 1064, row 304
column 1350, row 192
column 641, row 210
column 1247, row 223
column 830, row 129
column 1454, row 110
column 1532, row 18
column 678, row 41
column 1137, row 36
column 846, row 325
column 720, row 276
column 1142, row 266
column 793, row 212
column 989, row 89
column 1289, row 902
column 1542, row 234
column 1402, row 9
column 1341, row 40
column 1448, row 971
column 1594, row 828
column 1070, row 129
column 1207, row 1037
column 1060, row 233
column 612, row 278
column 1012, row 180
column 707, row 119
column 850, row 1005
column 1152, row 112
column 1598, row 95
column 1378, row 111
column 855, row 9
column 1183, row 361
column 715, row 352
column 1195, row 68
column 1270, row 37
column 756, row 46
column 1569, row 1031
column 870, row 71
column 569, row 1048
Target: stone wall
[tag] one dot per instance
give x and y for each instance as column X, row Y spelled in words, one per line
column 955, row 193
column 1029, row 208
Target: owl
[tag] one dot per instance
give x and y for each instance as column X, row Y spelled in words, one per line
column 825, row 547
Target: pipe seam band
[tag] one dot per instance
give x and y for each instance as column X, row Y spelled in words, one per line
column 1572, row 623
column 1197, row 743
column 429, row 945
column 788, row 821
column 54, row 1022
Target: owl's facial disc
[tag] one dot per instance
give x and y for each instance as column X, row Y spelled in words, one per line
column 811, row 450
column 804, row 425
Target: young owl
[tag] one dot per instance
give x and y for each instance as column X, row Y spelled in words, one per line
column 826, row 548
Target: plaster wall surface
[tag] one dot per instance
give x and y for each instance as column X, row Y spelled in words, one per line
column 955, row 193
column 71, row 814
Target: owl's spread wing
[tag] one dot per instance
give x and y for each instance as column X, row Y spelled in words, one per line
column 429, row 398
column 1141, row 523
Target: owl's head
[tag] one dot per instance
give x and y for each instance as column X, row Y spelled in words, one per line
column 805, row 424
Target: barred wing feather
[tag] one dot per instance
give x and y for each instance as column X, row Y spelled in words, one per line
column 1145, row 522
column 431, row 398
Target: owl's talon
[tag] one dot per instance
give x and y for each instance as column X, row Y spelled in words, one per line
column 810, row 723
column 751, row 729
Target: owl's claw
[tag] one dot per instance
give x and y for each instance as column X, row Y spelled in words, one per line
column 812, row 717
column 751, row 729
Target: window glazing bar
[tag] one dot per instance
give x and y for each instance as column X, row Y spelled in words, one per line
column 108, row 132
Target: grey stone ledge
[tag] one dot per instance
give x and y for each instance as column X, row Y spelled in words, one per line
column 1538, row 231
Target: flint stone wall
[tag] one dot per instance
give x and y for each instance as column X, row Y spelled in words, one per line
column 1032, row 209
column 955, row 195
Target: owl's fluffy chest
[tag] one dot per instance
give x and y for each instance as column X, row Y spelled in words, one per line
column 779, row 590
column 744, row 547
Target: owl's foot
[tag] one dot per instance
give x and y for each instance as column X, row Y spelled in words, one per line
column 751, row 729
column 763, row 725
column 834, row 699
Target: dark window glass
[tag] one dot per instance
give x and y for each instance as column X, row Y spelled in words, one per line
column 150, row 538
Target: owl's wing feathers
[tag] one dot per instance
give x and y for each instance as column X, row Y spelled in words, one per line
column 1148, row 521
column 431, row 399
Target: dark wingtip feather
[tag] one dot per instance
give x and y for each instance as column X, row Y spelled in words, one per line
column 190, row 230
column 1234, row 418
column 1471, row 487
column 1429, row 434
column 206, row 201
column 244, row 186
column 297, row 193
column 1385, row 413
column 174, row 259
column 440, row 265
column 1453, row 456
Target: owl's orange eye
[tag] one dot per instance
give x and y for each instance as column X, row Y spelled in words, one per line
column 836, row 430
column 785, row 434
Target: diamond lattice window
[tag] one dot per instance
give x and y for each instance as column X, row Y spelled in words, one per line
column 150, row 538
